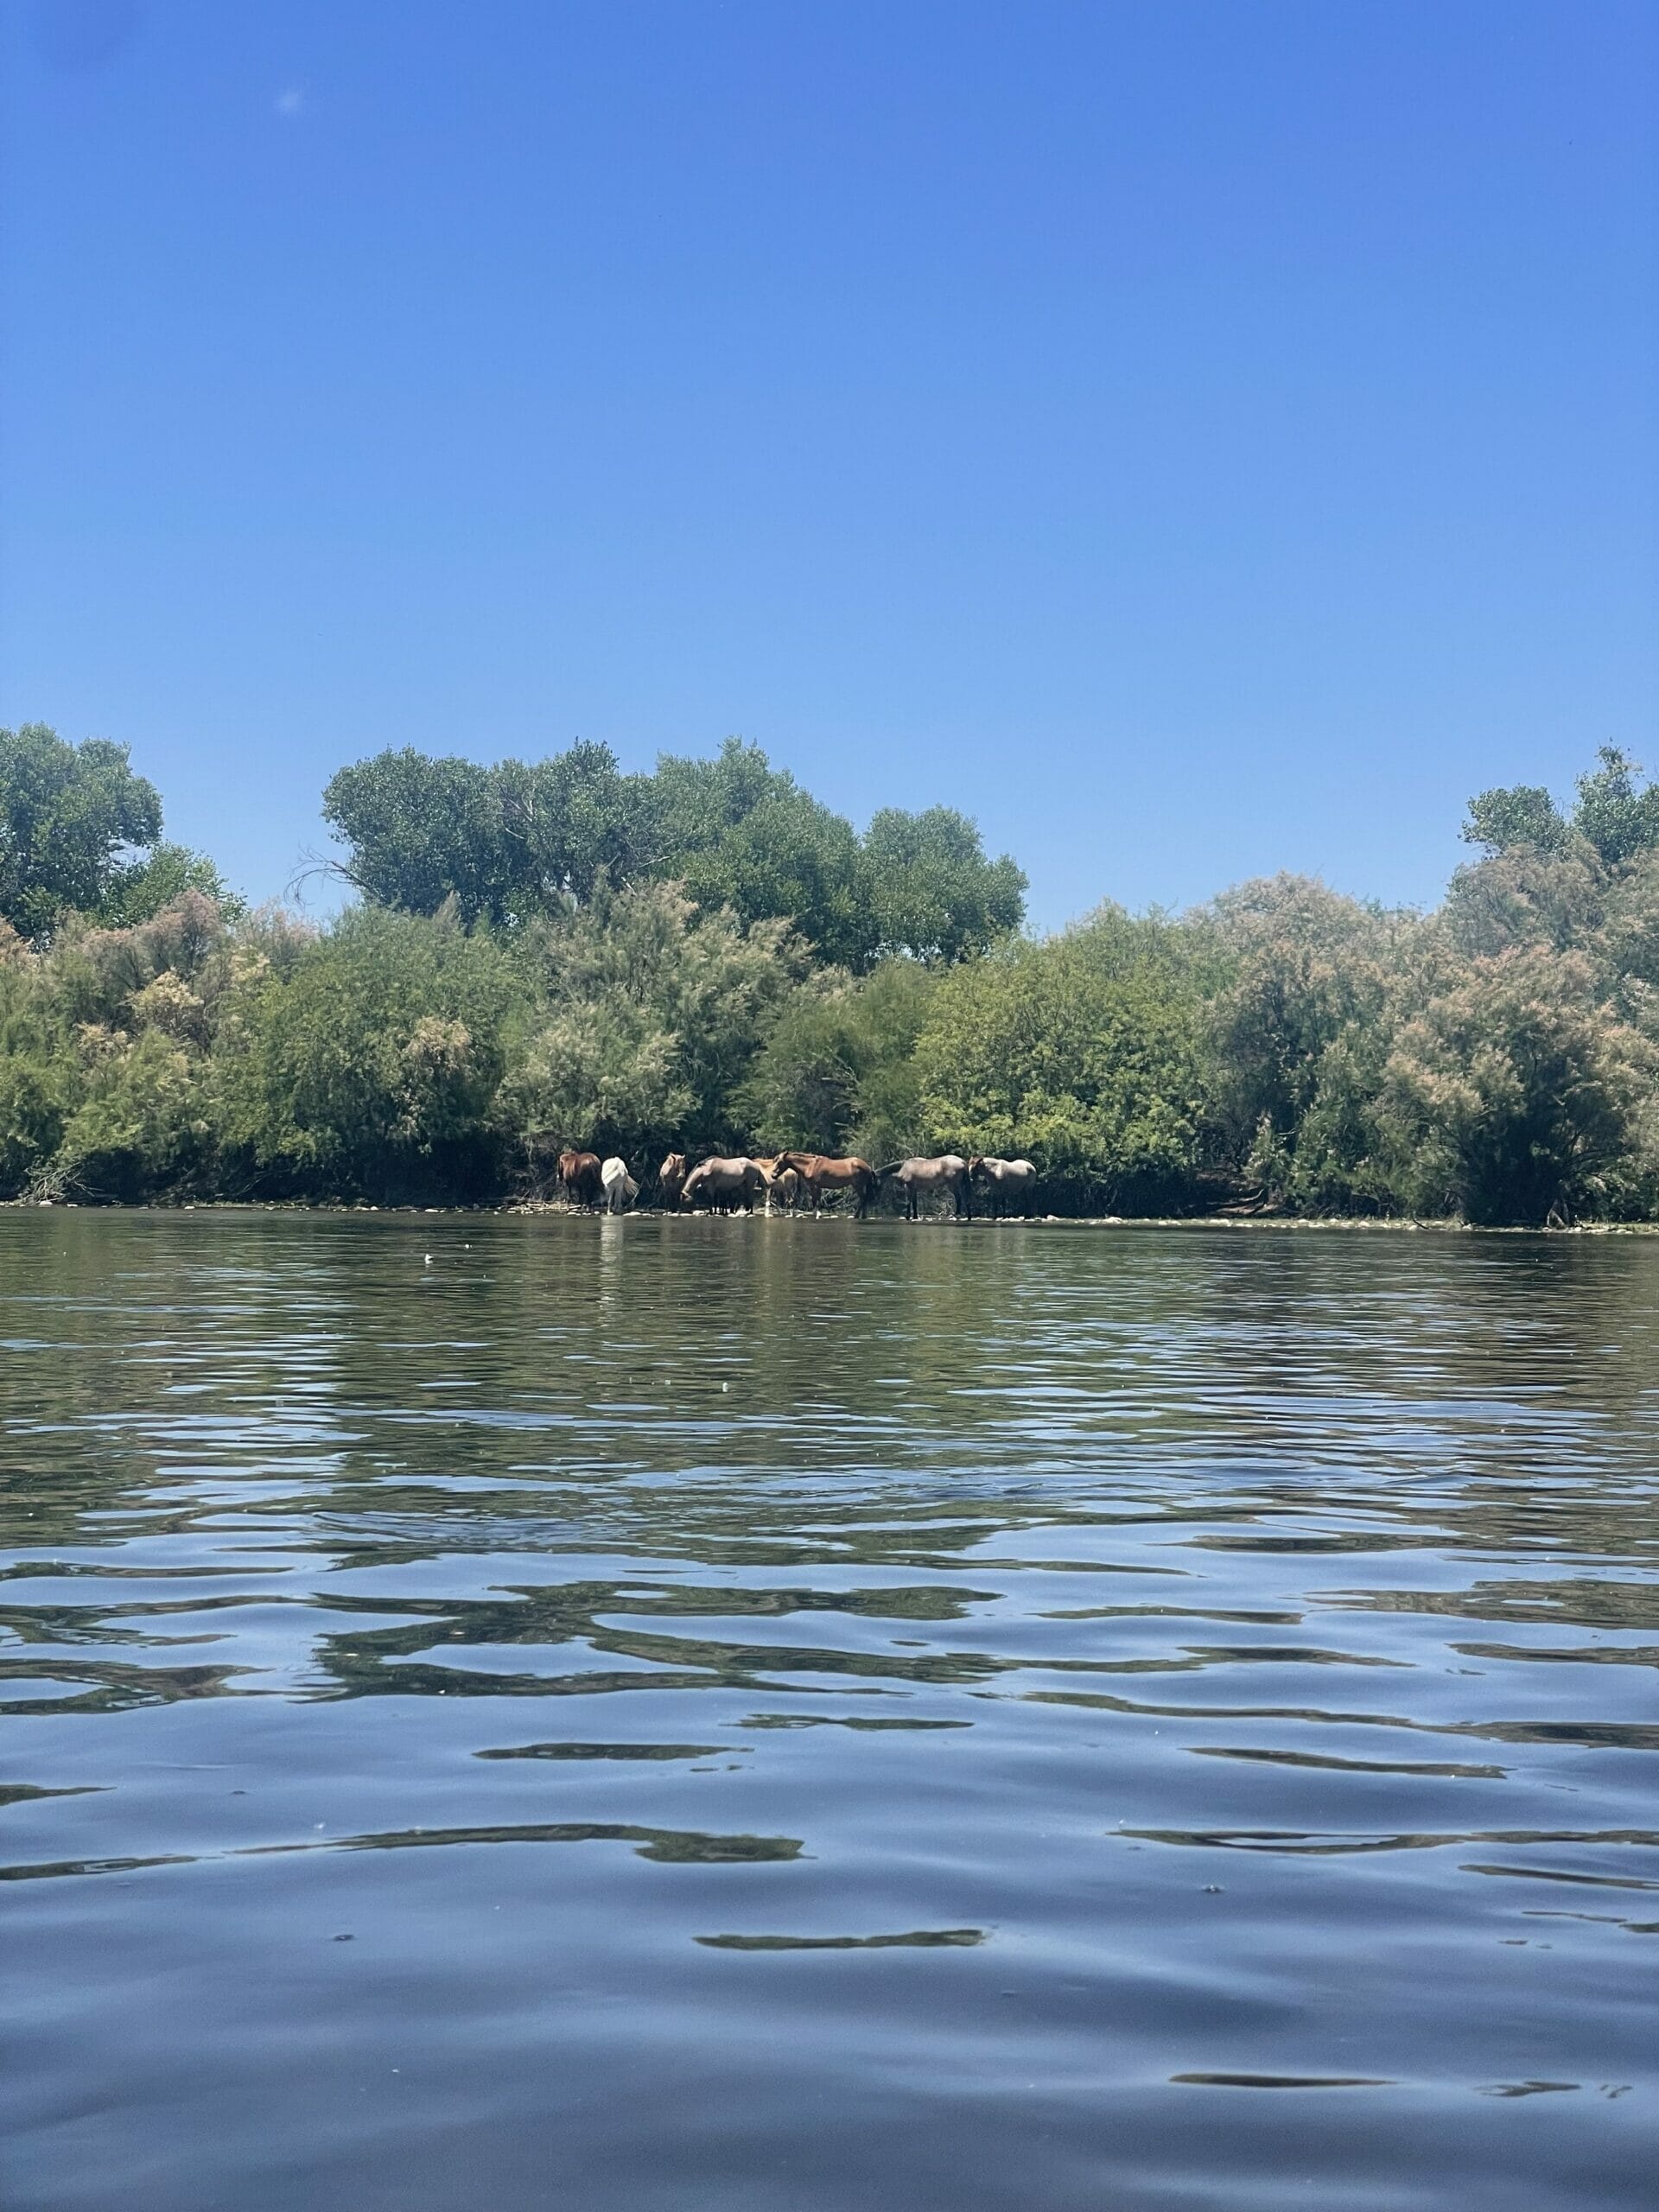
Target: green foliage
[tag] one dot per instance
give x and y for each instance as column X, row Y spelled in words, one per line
column 1518, row 815
column 67, row 812
column 423, row 831
column 371, row 1068
column 790, row 859
column 933, row 893
column 653, row 1016
column 1614, row 816
column 838, row 1073
column 1305, row 971
column 1619, row 820
column 1528, row 894
column 141, row 1126
column 511, row 843
column 707, row 958
column 39, row 1075
column 143, row 888
column 1082, row 1054
column 1509, row 1097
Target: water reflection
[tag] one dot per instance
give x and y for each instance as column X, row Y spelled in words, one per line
column 1071, row 1677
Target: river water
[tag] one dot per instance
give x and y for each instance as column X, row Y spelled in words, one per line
column 645, row 1715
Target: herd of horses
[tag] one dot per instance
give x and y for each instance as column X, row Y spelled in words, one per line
column 792, row 1180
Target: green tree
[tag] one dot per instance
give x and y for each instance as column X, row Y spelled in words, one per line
column 1618, row 819
column 1513, row 1095
column 1519, row 814
column 39, row 1075
column 368, row 1063
column 420, row 831
column 794, row 861
column 653, row 1016
column 141, row 1127
column 1304, row 967
column 1080, row 1053
column 932, row 891
column 142, row 888
column 67, row 814
column 1526, row 894
column 838, row 1072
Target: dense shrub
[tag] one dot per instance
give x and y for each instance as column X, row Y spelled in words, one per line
column 1081, row 1053
column 651, row 1015
column 707, row 959
column 369, row 1065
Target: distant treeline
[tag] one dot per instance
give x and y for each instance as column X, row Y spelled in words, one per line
column 709, row 959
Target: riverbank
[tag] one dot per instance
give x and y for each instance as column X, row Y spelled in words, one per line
column 1241, row 1224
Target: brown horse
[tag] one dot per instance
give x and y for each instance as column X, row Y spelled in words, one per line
column 670, row 1178
column 580, row 1174
column 819, row 1173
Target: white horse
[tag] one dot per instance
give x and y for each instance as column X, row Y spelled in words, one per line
column 1008, row 1179
column 619, row 1187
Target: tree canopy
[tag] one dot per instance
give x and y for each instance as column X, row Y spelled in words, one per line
column 513, row 841
column 1614, row 814
column 709, row 958
column 68, row 815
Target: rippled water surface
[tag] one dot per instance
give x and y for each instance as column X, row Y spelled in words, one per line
column 648, row 1715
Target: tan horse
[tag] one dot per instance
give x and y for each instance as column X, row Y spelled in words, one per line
column 920, row 1179
column 728, row 1182
column 819, row 1173
column 1008, row 1178
column 670, row 1178
column 782, row 1183
column 579, row 1172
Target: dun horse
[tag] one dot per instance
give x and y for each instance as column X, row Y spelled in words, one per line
column 1006, row 1179
column 725, row 1182
column 671, row 1179
column 917, row 1178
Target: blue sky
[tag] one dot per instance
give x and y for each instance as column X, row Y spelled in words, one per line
column 1194, row 439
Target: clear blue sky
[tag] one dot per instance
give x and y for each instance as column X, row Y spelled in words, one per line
column 1196, row 439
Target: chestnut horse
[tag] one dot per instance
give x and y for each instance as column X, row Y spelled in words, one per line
column 579, row 1172
column 819, row 1173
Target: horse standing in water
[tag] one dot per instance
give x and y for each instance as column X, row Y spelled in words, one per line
column 1008, row 1178
column 580, row 1174
column 819, row 1173
column 782, row 1183
column 670, row 1178
column 725, row 1182
column 918, row 1179
column 620, row 1189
